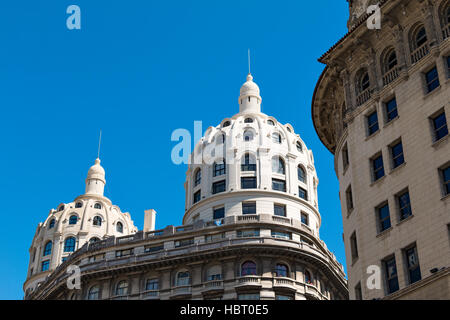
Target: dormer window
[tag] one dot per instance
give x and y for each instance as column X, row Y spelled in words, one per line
column 97, row 206
column 73, row 219
column 276, row 137
column 97, row 221
column 119, row 227
column 61, row 208
column 248, row 120
column 78, row 205
column 226, row 124
column 299, row 146
column 270, row 122
column 52, row 224
column 248, row 136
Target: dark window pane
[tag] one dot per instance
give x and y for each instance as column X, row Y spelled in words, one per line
column 446, row 178
column 248, row 183
column 378, row 168
column 302, row 193
column 391, row 110
column 397, row 155
column 249, row 164
column 197, row 196
column 391, row 275
column 219, row 187
column 219, row 169
column 280, row 210
column 249, row 208
column 219, row 213
column 404, row 205
column 304, row 218
column 279, row 185
column 413, row 265
column 432, row 79
column 301, row 174
column 372, row 121
column 384, row 218
column 421, row 37
column 440, row 126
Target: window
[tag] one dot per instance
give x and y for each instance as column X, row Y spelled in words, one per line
column 299, row 146
column 412, row 265
column 349, row 198
column 97, row 221
column 281, row 270
column 152, row 284
column 219, row 213
column 248, row 268
column 354, row 246
column 219, row 168
column 183, row 278
column 248, row 136
column 364, row 82
column 378, row 167
column 97, row 206
column 270, row 122
column 440, row 126
column 281, row 235
column 305, row 218
column 372, row 123
column 48, row 249
column 279, row 210
column 384, row 219
column 94, row 240
column 61, row 208
column 276, row 138
column 391, row 110
column 45, row 265
column 345, row 158
column 248, row 183
column 220, row 139
column 397, row 155
column 197, row 196
column 308, row 278
column 391, row 61
column 215, row 237
column 432, row 79
column 283, row 297
column 73, row 219
column 52, row 224
column 69, row 244
column 248, row 296
column 78, row 205
column 94, row 293
column 119, row 227
column 154, row 248
column 446, row 180
column 226, row 124
column 248, row 163
column 184, row 243
column 421, row 37
column 404, row 205
column 249, row 208
column 278, row 165
column 301, row 173
column 218, row 187
column 122, row 288
column 248, row 120
column 198, row 177
column 252, row 233
column 302, row 193
column 390, row 270
column 278, row 185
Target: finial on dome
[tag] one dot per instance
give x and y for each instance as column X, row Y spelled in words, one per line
column 249, row 77
column 249, row 98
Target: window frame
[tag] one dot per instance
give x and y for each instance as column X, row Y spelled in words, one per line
column 380, row 210
column 372, row 127
column 434, row 83
column 219, row 187
column 400, row 156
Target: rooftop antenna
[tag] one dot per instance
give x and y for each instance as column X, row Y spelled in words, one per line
column 249, row 61
column 99, row 144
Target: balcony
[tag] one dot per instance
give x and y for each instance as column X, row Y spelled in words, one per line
column 214, row 285
column 247, row 218
column 282, row 220
column 363, row 97
column 446, row 31
column 249, row 281
column 285, row 283
column 181, row 291
column 419, row 53
column 390, row 76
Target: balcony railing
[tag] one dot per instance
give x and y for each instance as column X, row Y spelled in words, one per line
column 280, row 219
column 214, row 284
column 446, row 32
column 363, row 97
column 419, row 53
column 283, row 282
column 250, row 217
column 182, row 290
column 390, row 76
column 249, row 280
column 150, row 294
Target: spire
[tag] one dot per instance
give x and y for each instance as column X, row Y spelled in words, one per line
column 95, row 181
column 249, row 99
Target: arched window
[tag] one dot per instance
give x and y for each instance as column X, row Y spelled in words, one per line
column 214, row 273
column 276, row 138
column 389, row 61
column 219, row 168
column 61, row 208
column 248, row 120
column 308, row 278
column 94, row 239
column 248, row 268
column 94, row 293
column 301, row 174
column 183, row 278
column 248, row 135
column 47, row 249
column 445, row 18
column 73, row 219
column 226, row 124
column 248, row 163
column 119, row 227
column 220, row 139
column 51, row 224
column 69, row 244
column 278, row 165
column 363, row 82
column 78, row 205
column 281, row 270
column 97, row 206
column 97, row 221
column 299, row 146
column 270, row 122
column 420, row 37
column 122, row 288
column 197, row 177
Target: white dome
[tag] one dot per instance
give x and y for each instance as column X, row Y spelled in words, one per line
column 249, row 88
column 96, row 171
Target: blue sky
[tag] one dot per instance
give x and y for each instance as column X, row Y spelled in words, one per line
column 139, row 70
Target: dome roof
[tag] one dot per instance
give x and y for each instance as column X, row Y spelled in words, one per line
column 96, row 171
column 249, row 88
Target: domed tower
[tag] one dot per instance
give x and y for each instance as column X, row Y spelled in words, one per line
column 90, row 217
column 252, row 164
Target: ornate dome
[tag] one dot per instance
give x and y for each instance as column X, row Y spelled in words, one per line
column 249, row 87
column 96, row 171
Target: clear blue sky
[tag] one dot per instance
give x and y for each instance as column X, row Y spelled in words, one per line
column 139, row 70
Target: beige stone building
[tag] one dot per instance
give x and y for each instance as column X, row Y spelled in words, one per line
column 382, row 107
column 250, row 230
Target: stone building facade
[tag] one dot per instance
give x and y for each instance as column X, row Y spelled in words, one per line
column 382, row 106
column 250, row 230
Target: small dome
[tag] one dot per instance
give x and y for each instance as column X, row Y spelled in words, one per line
column 249, row 88
column 96, row 171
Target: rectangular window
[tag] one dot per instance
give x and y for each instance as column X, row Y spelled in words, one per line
column 248, row 296
column 345, row 159
column 354, row 246
column 448, row 67
column 219, row 213
column 279, row 210
column 281, row 235
column 218, row 187
column 302, row 193
column 305, row 218
column 152, row 284
column 390, row 269
column 404, row 205
column 249, row 208
column 214, row 237
column 247, row 233
column 197, row 196
column 378, row 167
column 124, row 253
column 397, row 155
column 184, row 243
column 391, row 110
column 154, row 248
column 45, row 265
column 412, row 264
column 384, row 219
column 248, row 183
column 432, row 79
column 219, row 169
column 372, row 123
column 440, row 126
column 349, row 197
column 446, row 180
column 279, row 185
